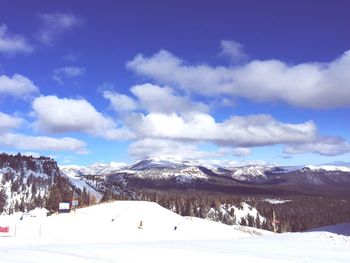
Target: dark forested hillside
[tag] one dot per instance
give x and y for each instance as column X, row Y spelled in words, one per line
column 27, row 182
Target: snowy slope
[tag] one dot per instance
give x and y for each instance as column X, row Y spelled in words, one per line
column 328, row 168
column 78, row 181
column 182, row 175
column 25, row 181
column 119, row 221
column 160, row 161
column 94, row 169
column 109, row 233
column 249, row 173
column 234, row 214
column 340, row 229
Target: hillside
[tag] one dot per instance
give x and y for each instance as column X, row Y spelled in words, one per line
column 109, row 233
column 195, row 188
column 163, row 172
column 340, row 229
column 28, row 182
column 302, row 197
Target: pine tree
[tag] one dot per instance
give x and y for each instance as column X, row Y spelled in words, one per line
column 257, row 221
column 250, row 220
column 2, row 200
column 54, row 199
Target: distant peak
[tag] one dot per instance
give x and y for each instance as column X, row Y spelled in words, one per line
column 328, row 168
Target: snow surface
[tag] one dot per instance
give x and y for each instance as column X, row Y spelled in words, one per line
column 328, row 168
column 340, row 229
column 109, row 233
column 247, row 173
column 74, row 175
column 275, row 201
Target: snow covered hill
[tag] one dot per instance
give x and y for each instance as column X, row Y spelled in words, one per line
column 340, row 229
column 253, row 173
column 25, row 181
column 110, row 233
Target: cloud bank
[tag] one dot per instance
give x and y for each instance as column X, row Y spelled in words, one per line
column 311, row 85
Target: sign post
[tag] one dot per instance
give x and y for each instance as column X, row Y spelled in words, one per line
column 4, row 229
column 274, row 222
column 63, row 207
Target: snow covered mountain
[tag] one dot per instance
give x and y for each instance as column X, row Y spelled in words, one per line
column 186, row 187
column 94, row 169
column 164, row 172
column 160, row 162
column 179, row 171
column 25, row 181
column 328, row 168
column 254, row 173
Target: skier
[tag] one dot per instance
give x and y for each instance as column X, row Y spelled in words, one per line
column 141, row 225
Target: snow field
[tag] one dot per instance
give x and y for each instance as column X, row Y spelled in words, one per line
column 109, row 233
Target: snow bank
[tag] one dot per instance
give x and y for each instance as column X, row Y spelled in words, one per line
column 109, row 233
column 340, row 229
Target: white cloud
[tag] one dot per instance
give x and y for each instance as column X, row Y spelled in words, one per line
column 167, row 69
column 241, row 151
column 17, row 85
column 56, row 24
column 247, row 131
column 164, row 99
column 310, row 85
column 8, row 122
column 67, row 73
column 233, row 50
column 59, row 115
column 120, row 102
column 153, row 98
column 327, row 146
column 12, row 44
column 171, row 148
column 25, row 142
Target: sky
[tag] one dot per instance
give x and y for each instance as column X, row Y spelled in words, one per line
column 229, row 82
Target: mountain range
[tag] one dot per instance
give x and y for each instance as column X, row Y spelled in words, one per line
column 171, row 173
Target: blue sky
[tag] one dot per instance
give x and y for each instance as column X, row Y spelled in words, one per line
column 227, row 81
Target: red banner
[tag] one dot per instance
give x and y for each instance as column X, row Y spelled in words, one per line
column 5, row 229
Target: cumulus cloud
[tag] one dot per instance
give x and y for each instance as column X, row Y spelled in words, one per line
column 242, row 131
column 25, row 142
column 59, row 115
column 149, row 147
column 60, row 74
column 154, row 98
column 120, row 102
column 233, row 50
column 327, row 146
column 167, row 69
column 55, row 25
column 12, row 44
column 8, row 122
column 17, row 86
column 311, row 85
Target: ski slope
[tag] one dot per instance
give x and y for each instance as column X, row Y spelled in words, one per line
column 109, row 233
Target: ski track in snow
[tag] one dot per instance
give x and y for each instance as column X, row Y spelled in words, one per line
column 109, row 233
